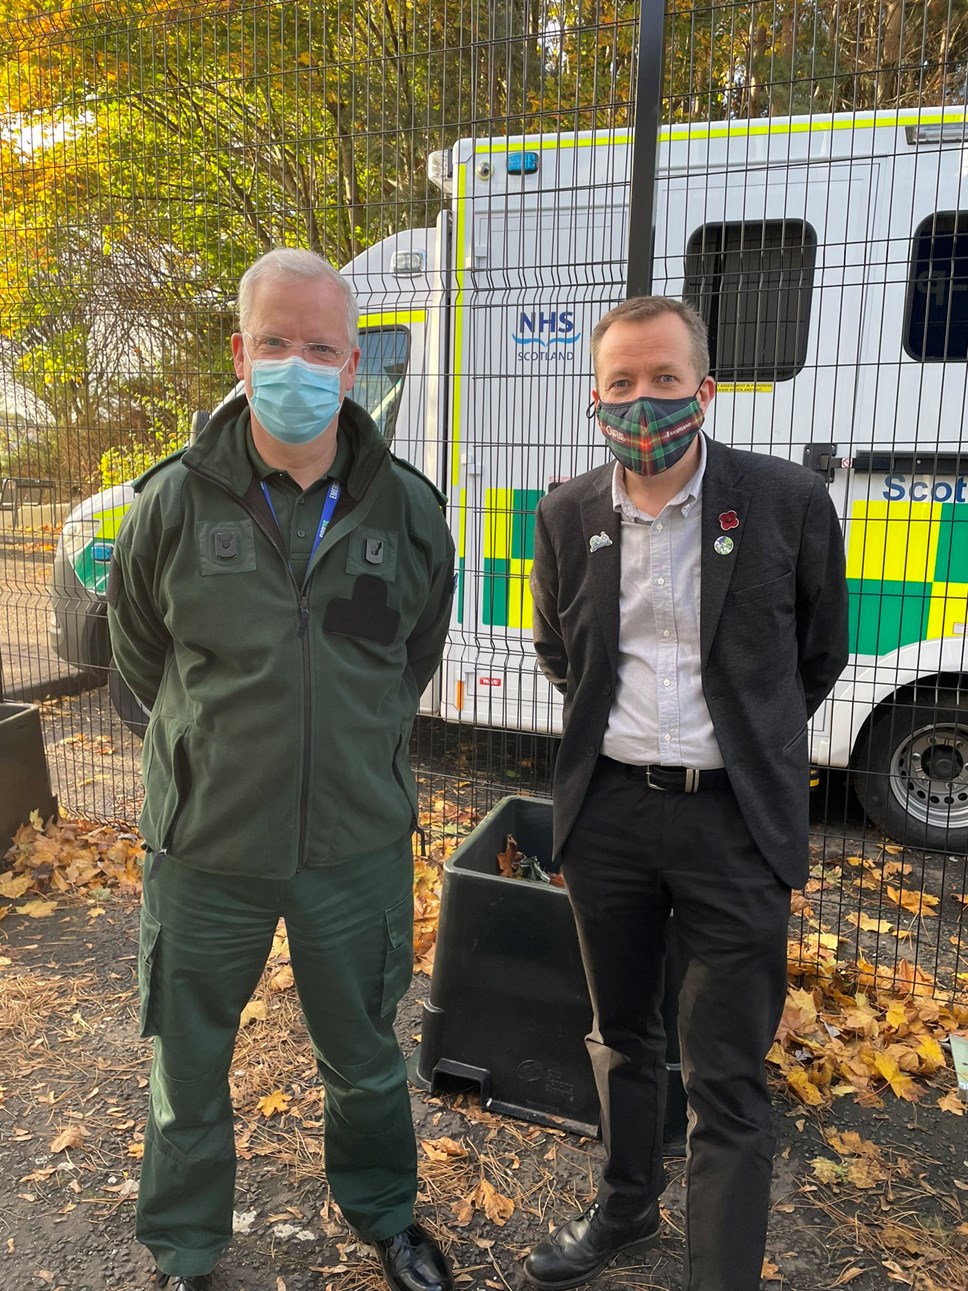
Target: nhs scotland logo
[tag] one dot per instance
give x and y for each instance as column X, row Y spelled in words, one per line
column 546, row 338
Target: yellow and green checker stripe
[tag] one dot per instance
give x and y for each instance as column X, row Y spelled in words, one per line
column 907, row 573
column 508, row 551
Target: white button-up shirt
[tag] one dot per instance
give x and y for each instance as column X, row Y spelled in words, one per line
column 659, row 713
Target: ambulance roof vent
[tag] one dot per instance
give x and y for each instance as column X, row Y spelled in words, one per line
column 938, row 132
column 440, row 169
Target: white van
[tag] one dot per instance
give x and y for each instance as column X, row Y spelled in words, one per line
column 829, row 256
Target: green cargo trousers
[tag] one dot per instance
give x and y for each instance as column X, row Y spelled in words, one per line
column 205, row 939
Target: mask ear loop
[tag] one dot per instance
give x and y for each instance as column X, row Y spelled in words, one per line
column 591, row 412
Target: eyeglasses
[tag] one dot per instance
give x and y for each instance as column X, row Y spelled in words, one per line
column 278, row 347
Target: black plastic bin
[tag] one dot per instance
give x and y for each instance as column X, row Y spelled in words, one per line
column 24, row 777
column 509, row 1007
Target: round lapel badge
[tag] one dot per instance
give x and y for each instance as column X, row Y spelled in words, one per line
column 723, row 545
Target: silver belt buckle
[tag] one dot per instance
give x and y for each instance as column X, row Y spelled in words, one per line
column 652, row 785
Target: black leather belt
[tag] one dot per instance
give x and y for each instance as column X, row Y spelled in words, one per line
column 674, row 779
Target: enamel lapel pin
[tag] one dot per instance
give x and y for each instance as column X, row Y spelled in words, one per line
column 724, row 544
column 599, row 540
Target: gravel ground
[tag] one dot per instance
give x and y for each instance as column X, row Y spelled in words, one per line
column 72, row 1117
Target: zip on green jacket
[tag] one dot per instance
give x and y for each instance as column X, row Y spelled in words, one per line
column 280, row 716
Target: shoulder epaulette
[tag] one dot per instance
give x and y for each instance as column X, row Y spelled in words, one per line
column 408, row 466
column 142, row 480
column 225, row 411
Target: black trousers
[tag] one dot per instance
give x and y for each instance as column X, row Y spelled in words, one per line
column 634, row 854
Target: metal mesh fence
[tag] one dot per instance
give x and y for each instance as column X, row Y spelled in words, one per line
column 469, row 166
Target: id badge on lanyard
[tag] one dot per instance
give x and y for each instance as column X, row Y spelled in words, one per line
column 329, row 507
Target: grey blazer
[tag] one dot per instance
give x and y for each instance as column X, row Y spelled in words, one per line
column 773, row 629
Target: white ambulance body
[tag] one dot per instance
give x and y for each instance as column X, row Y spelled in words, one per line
column 829, row 256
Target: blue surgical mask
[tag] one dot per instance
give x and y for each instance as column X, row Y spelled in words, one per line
column 294, row 400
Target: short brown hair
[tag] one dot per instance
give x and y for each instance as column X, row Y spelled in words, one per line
column 642, row 309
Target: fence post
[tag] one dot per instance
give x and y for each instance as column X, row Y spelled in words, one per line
column 645, row 146
column 647, row 122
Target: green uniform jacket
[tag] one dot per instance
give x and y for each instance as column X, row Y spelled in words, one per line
column 280, row 720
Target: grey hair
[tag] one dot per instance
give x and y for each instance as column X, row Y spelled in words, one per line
column 292, row 264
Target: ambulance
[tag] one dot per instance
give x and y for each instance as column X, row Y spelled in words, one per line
column 829, row 258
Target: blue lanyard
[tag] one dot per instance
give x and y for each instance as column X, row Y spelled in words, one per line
column 329, row 506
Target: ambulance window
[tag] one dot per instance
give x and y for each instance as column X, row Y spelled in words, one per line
column 936, row 320
column 752, row 284
column 385, row 352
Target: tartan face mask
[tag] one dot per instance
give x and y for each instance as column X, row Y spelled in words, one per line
column 649, row 435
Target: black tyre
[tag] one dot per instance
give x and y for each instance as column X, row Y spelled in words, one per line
column 127, row 706
column 910, row 769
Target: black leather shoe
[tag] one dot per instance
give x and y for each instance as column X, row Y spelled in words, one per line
column 579, row 1250
column 178, row 1282
column 412, row 1261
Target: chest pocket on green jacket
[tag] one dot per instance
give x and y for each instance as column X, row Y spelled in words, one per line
column 367, row 613
column 225, row 546
column 373, row 552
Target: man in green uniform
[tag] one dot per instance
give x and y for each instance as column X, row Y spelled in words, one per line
column 279, row 599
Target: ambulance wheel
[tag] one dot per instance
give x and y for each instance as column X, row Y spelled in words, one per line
column 910, row 769
column 127, row 706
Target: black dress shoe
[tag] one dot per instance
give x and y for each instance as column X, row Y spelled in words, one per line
column 178, row 1281
column 579, row 1250
column 412, row 1261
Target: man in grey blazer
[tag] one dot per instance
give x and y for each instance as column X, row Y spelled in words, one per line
column 690, row 604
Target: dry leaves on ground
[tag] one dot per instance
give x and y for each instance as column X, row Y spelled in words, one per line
column 485, row 1197
column 862, row 1018
column 67, row 857
column 855, row 1027
column 841, row 1034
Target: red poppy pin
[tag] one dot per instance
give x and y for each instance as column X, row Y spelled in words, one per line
column 729, row 520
